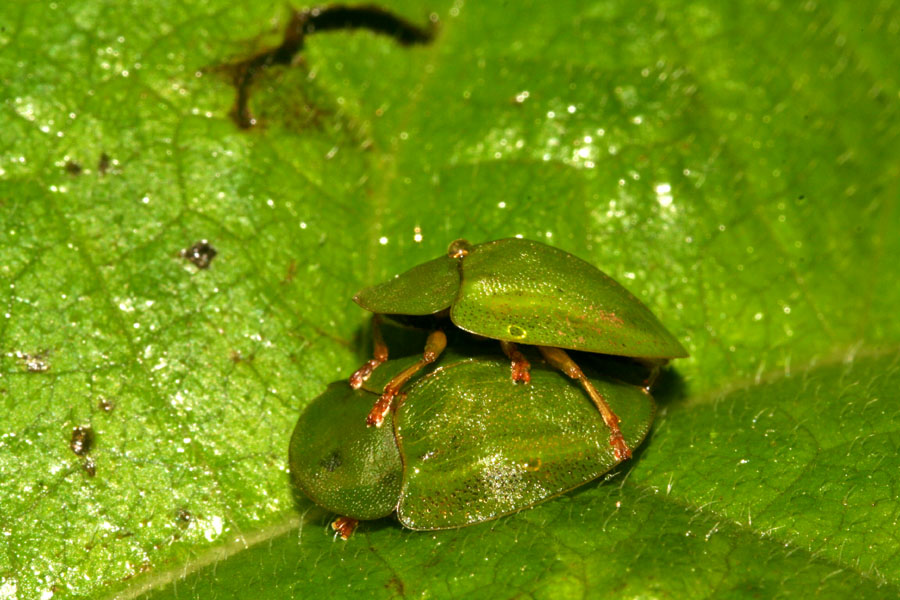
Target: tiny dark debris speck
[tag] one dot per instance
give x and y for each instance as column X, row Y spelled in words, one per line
column 82, row 440
column 89, row 466
column 104, row 164
column 106, row 405
column 73, row 168
column 200, row 254
column 184, row 517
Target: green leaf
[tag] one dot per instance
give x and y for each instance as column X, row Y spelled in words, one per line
column 736, row 167
column 775, row 489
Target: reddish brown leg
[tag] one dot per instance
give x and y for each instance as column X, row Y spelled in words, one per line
column 520, row 365
column 380, row 353
column 344, row 526
column 562, row 361
column 434, row 345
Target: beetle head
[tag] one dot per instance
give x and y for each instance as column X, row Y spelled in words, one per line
column 459, row 249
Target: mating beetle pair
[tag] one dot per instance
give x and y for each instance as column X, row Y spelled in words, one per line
column 518, row 292
column 463, row 445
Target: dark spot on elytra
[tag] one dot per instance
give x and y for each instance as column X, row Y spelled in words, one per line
column 82, row 440
column 331, row 462
column 305, row 22
column 200, row 254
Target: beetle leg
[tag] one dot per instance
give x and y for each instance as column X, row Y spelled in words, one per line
column 562, row 361
column 434, row 345
column 344, row 527
column 380, row 355
column 520, row 365
column 653, row 365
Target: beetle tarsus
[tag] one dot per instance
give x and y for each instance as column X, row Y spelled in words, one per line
column 434, row 345
column 344, row 527
column 616, row 439
column 360, row 376
column 379, row 352
column 520, row 372
column 621, row 450
column 381, row 408
column 520, row 366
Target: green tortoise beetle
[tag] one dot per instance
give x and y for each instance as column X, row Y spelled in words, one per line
column 519, row 291
column 462, row 444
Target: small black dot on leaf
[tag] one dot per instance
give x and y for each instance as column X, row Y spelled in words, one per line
column 184, row 517
column 82, row 440
column 104, row 163
column 200, row 254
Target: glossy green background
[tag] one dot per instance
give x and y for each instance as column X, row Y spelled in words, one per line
column 735, row 166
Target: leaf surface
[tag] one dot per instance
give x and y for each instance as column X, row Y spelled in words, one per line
column 735, row 167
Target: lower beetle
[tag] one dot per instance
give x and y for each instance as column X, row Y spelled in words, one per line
column 463, row 444
column 519, row 291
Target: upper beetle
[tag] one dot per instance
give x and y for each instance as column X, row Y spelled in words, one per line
column 520, row 292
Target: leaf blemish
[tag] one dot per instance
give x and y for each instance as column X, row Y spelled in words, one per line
column 89, row 466
column 34, row 363
column 336, row 17
column 82, row 440
column 184, row 517
column 200, row 254
column 104, row 164
column 73, row 168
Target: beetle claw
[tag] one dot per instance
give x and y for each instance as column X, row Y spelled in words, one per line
column 520, row 372
column 344, row 527
column 381, row 408
column 360, row 376
column 520, row 366
column 621, row 450
column 374, row 419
